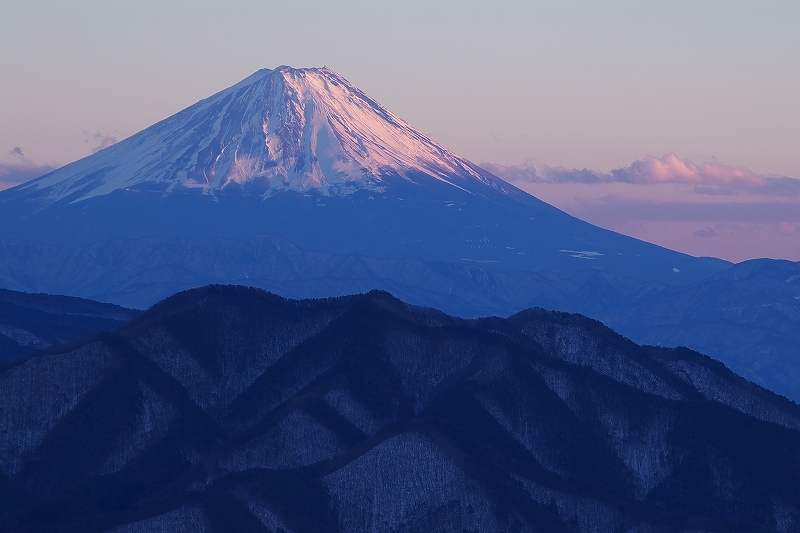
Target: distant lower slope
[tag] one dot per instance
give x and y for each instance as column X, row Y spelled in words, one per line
column 231, row 409
column 31, row 322
column 747, row 316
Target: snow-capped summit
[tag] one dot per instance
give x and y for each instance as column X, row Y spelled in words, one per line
column 277, row 130
column 304, row 156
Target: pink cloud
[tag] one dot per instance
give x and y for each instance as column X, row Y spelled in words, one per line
column 708, row 178
column 702, row 209
column 672, row 169
column 18, row 169
column 706, row 233
column 104, row 141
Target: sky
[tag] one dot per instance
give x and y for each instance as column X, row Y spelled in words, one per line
column 542, row 91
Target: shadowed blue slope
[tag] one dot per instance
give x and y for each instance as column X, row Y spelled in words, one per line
column 434, row 223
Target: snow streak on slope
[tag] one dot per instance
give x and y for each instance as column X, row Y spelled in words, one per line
column 277, row 130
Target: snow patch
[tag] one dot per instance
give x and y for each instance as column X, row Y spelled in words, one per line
column 583, row 514
column 23, row 337
column 265, row 515
column 422, row 364
column 642, row 448
column 407, row 484
column 577, row 346
column 183, row 520
column 152, row 424
column 743, row 396
column 352, row 410
column 297, row 441
column 586, row 254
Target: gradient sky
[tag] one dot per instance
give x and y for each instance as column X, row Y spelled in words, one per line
column 546, row 84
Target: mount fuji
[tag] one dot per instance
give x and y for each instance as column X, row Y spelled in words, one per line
column 305, row 155
column 301, row 130
column 295, row 181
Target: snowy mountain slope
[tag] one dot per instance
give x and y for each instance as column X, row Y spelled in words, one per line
column 278, row 130
column 303, row 154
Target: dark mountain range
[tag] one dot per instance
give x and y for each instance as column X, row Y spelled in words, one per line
column 31, row 322
column 231, row 409
column 748, row 317
column 295, row 181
